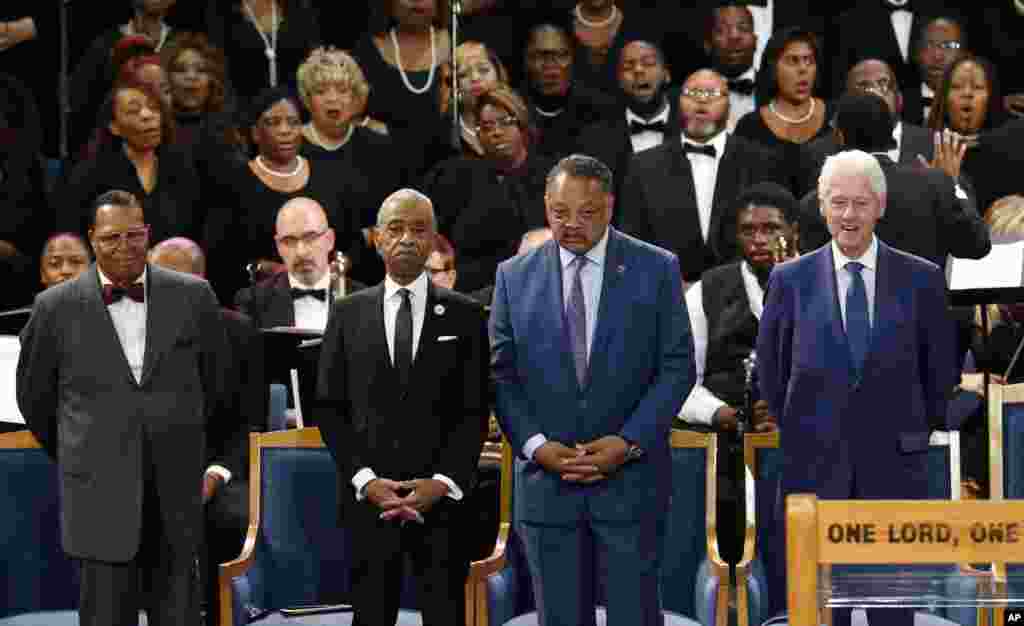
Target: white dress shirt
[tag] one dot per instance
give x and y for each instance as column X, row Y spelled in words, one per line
column 901, row 21
column 927, row 92
column 740, row 104
column 649, row 138
column 763, row 27
column 129, row 319
column 843, row 278
column 592, row 279
column 418, row 303
column 897, row 134
column 705, row 173
column 701, row 404
column 311, row 313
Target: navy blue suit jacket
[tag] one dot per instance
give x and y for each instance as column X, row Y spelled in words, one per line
column 641, row 369
column 837, row 431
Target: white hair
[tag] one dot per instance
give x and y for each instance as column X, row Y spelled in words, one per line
column 851, row 163
column 401, row 197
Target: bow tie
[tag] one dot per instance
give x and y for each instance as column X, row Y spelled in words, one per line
column 707, row 150
column 742, row 86
column 319, row 294
column 891, row 8
column 112, row 294
column 636, row 127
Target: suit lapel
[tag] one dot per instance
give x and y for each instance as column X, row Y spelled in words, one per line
column 612, row 305
column 555, row 307
column 726, row 186
column 827, row 270
column 886, row 299
column 428, row 336
column 686, row 220
column 158, row 316
column 100, row 319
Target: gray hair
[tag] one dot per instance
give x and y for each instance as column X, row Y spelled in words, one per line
column 403, row 196
column 582, row 166
column 855, row 163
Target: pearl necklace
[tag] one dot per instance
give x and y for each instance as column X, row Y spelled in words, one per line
column 315, row 137
column 269, row 43
column 790, row 120
column 603, row 24
column 300, row 162
column 401, row 70
column 549, row 113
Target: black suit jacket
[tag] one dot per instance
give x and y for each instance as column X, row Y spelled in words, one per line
column 923, row 216
column 560, row 135
column 916, row 140
column 434, row 425
column 609, row 141
column 659, row 202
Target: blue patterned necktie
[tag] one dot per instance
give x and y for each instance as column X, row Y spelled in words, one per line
column 858, row 324
column 576, row 318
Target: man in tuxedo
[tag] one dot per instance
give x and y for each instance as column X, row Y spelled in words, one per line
column 120, row 372
column 941, row 42
column 299, row 296
column 646, row 117
column 403, row 388
column 679, row 194
column 912, row 141
column 730, row 42
column 855, row 357
column 243, row 410
column 591, row 356
column 928, row 213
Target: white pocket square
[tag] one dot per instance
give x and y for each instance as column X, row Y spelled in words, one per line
column 447, row 338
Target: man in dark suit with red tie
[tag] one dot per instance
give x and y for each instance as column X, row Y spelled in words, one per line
column 679, row 195
column 404, row 405
column 119, row 373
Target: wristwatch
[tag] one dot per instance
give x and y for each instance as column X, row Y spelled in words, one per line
column 633, row 452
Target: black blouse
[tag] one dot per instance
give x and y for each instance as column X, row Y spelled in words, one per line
column 752, row 126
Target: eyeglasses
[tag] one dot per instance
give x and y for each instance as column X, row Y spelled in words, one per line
column 134, row 238
column 698, row 93
column 551, row 57
column 292, row 241
column 952, row 44
column 882, row 86
column 502, row 122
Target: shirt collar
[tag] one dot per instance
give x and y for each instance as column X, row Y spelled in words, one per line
column 323, row 283
column 662, row 116
column 595, row 255
column 897, row 133
column 869, row 259
column 718, row 141
column 926, row 91
column 418, row 287
column 751, row 73
column 106, row 281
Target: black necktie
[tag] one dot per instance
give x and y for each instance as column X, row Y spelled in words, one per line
column 636, row 127
column 319, row 294
column 112, row 294
column 707, row 150
column 742, row 86
column 403, row 338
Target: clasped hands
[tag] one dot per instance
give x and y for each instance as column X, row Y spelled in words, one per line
column 420, row 496
column 585, row 463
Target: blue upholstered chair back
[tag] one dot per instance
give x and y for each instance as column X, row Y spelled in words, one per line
column 278, row 406
column 1013, row 450
column 35, row 574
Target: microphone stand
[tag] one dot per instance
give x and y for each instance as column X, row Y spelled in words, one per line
column 455, row 102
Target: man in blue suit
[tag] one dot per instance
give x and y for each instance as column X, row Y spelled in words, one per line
column 855, row 355
column 592, row 356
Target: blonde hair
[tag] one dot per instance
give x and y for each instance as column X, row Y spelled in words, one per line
column 330, row 65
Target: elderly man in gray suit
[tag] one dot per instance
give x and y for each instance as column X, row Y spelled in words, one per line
column 117, row 375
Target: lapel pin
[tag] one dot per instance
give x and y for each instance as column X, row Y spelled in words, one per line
column 621, row 269
column 439, row 309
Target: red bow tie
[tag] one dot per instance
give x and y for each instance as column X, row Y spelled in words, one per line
column 112, row 293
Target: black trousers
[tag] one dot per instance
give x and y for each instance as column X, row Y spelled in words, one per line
column 439, row 558
column 161, row 580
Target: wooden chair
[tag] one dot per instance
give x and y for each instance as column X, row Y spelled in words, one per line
column 829, row 532
column 35, row 574
column 695, row 580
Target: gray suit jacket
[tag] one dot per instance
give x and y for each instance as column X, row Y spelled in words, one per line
column 108, row 432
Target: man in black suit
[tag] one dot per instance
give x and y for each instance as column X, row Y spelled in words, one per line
column 243, row 410
column 912, row 141
column 119, row 375
column 680, row 194
column 941, row 41
column 298, row 296
column 927, row 213
column 730, row 41
column 403, row 389
column 646, row 117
